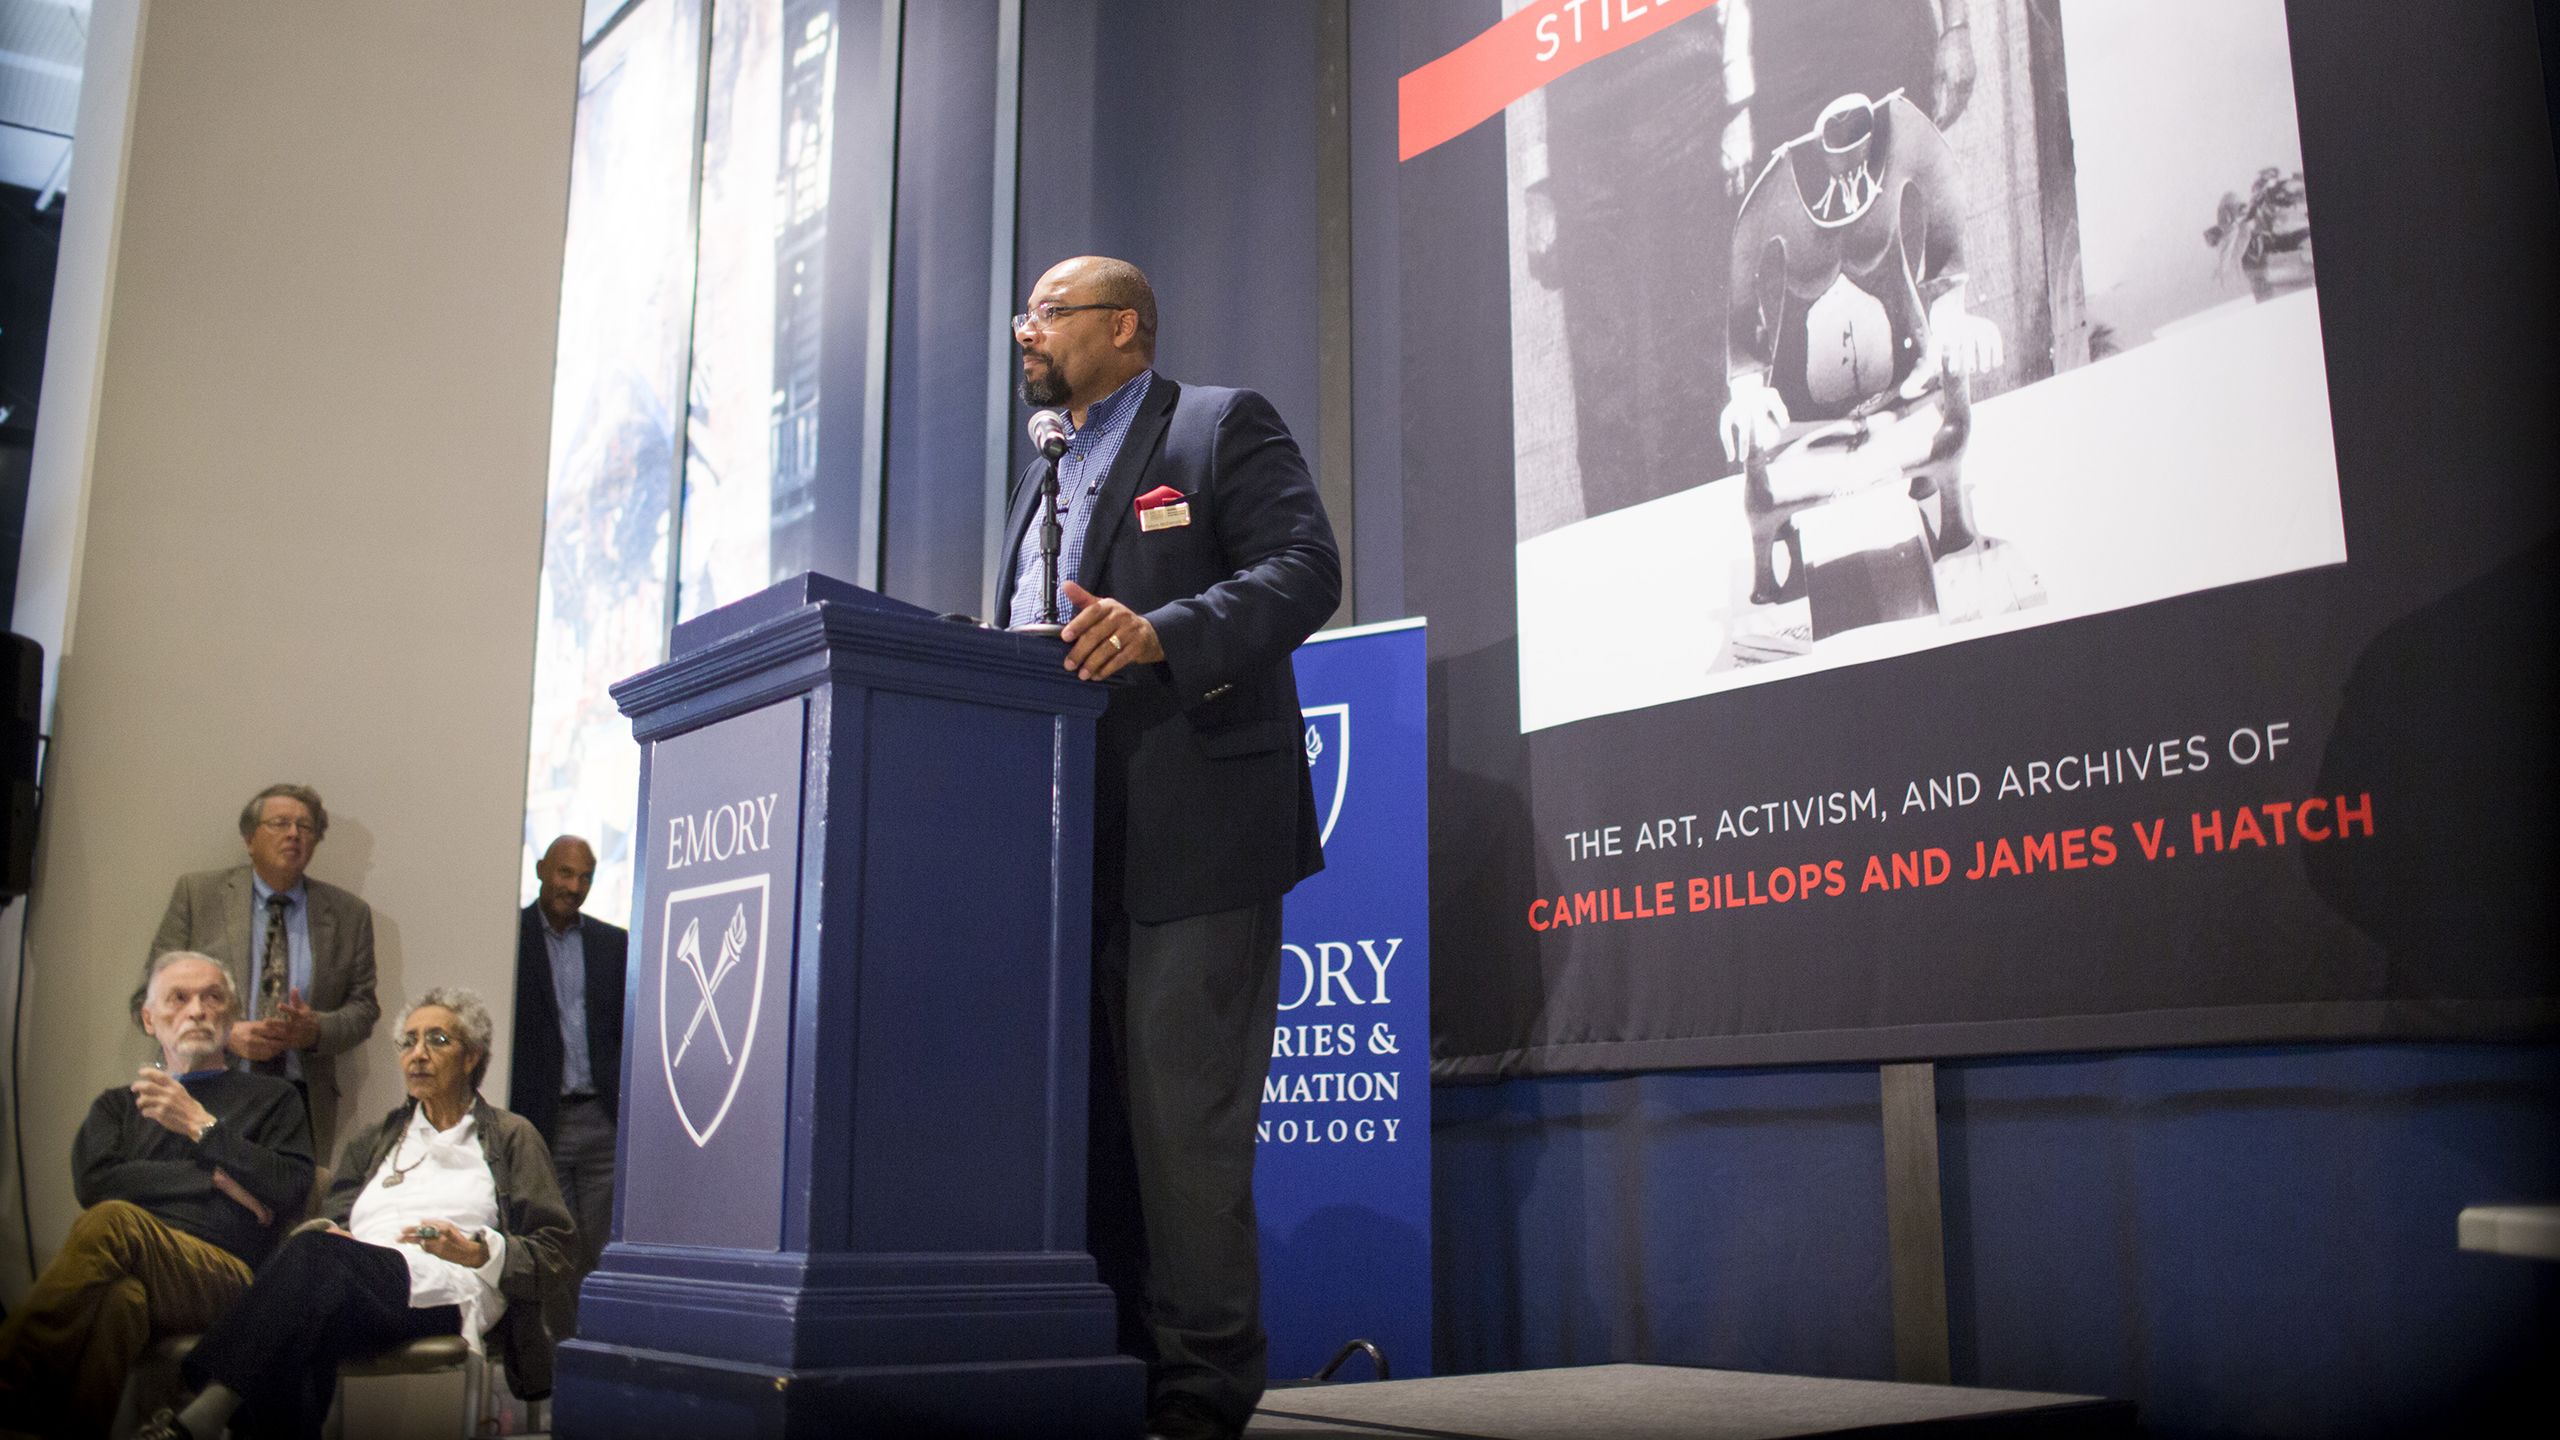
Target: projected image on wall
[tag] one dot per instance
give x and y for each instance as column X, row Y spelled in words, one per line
column 751, row 410
column 617, row 399
column 1845, row 329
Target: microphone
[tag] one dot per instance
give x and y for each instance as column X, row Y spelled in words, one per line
column 1049, row 433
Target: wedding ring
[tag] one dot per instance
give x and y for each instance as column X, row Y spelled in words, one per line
column 1114, row 639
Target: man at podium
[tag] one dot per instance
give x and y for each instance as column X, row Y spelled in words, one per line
column 1195, row 556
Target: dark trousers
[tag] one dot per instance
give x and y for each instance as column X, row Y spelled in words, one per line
column 1182, row 1040
column 320, row 1300
column 582, row 1156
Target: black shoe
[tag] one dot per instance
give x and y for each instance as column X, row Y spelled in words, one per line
column 1178, row 1416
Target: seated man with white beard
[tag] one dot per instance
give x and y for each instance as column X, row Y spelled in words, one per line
column 189, row 1175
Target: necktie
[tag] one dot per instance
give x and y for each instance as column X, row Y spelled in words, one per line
column 273, row 962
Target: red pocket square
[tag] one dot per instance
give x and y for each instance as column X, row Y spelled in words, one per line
column 1161, row 495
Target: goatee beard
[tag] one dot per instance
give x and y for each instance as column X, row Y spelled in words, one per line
column 1049, row 389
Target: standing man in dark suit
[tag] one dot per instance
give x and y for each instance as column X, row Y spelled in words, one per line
column 1196, row 555
column 304, row 945
column 570, row 976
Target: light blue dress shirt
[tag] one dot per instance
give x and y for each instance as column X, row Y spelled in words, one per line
column 297, row 950
column 569, row 991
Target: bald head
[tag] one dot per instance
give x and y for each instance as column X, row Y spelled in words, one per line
column 1119, row 283
column 1088, row 327
column 566, row 871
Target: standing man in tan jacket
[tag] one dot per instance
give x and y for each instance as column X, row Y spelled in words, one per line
column 303, row 948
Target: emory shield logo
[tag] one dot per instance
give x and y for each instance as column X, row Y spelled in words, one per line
column 1328, row 761
column 711, row 961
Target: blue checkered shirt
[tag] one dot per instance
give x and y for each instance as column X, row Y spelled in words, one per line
column 1090, row 450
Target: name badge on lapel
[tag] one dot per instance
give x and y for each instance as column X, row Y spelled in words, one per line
column 1163, row 508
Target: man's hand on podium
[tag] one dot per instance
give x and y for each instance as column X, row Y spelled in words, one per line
column 1106, row 636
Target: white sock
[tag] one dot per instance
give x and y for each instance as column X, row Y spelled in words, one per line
column 211, row 1410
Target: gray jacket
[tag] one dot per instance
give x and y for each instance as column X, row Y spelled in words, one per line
column 209, row 913
column 530, row 1214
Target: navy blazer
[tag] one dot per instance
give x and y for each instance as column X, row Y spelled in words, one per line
column 1201, row 796
column 533, row 1075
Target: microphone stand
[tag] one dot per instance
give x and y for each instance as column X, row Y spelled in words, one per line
column 1047, row 624
column 1049, row 538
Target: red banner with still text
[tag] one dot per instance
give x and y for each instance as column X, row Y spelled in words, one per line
column 1532, row 46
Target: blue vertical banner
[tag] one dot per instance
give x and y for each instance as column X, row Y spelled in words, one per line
column 1342, row 1181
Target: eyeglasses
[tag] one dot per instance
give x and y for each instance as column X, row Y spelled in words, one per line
column 1045, row 315
column 433, row 1040
column 279, row 826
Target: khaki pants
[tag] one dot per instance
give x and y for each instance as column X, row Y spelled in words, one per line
column 121, row 1278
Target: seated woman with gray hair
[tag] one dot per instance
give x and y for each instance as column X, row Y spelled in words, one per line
column 444, row 1218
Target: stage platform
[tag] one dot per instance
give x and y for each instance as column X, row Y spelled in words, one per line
column 1661, row 1402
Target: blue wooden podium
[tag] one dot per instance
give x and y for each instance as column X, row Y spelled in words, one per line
column 850, row 1193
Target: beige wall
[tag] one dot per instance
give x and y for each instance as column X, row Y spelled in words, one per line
column 302, row 541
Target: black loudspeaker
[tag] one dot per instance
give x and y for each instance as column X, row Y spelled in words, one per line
column 21, row 702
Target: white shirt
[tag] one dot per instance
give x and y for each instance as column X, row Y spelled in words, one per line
column 444, row 1175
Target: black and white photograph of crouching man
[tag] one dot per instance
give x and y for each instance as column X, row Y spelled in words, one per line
column 1844, row 329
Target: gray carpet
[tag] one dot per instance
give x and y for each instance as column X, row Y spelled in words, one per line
column 1655, row 1402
